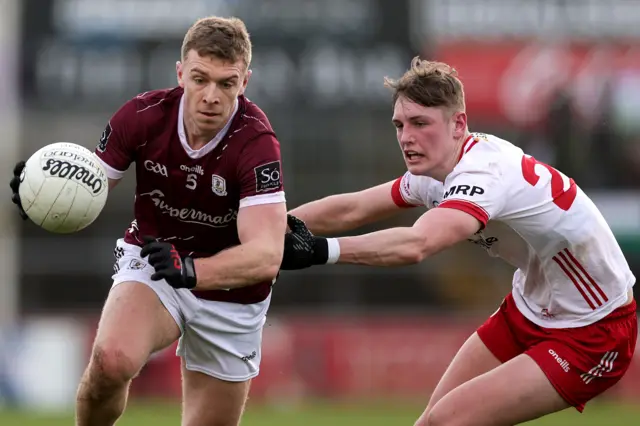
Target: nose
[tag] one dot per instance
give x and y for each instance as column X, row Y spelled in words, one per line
column 211, row 94
column 405, row 137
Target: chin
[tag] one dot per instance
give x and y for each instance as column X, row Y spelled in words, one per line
column 419, row 169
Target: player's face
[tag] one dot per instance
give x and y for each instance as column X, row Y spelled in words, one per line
column 428, row 137
column 211, row 86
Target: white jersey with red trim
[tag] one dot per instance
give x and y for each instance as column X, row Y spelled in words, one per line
column 571, row 271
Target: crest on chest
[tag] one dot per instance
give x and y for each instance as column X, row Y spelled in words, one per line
column 218, row 185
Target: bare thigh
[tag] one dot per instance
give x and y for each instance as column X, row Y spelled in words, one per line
column 134, row 324
column 515, row 392
column 472, row 360
column 210, row 401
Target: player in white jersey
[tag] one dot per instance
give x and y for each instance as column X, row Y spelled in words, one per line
column 567, row 331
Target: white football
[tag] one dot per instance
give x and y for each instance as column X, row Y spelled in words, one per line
column 63, row 187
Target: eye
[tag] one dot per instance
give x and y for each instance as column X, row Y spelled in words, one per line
column 397, row 125
column 228, row 84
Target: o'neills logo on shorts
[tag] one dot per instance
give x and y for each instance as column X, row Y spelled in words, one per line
column 563, row 362
column 189, row 215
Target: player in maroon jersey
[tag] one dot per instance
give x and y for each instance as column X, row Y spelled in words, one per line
column 198, row 261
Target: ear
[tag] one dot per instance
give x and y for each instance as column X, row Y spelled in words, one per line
column 179, row 71
column 245, row 82
column 459, row 120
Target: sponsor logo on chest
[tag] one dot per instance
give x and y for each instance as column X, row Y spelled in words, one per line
column 467, row 190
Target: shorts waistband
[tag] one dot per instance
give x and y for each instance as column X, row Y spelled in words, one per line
column 623, row 311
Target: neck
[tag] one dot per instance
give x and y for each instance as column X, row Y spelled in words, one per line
column 197, row 138
column 441, row 173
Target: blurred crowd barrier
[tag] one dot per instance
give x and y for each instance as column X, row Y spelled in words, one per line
column 304, row 358
column 560, row 78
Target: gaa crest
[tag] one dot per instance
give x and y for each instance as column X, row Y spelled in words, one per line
column 218, row 185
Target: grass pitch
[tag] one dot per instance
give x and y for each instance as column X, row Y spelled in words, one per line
column 323, row 413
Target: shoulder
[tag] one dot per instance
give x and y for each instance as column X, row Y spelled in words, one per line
column 152, row 106
column 251, row 121
column 485, row 154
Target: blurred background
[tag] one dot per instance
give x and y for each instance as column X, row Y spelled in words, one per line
column 350, row 345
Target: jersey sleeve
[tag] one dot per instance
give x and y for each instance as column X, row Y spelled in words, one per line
column 475, row 190
column 407, row 191
column 116, row 148
column 260, row 172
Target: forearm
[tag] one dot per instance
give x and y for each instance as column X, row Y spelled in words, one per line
column 390, row 247
column 239, row 266
column 330, row 215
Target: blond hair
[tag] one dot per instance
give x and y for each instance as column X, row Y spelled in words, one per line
column 223, row 38
column 430, row 84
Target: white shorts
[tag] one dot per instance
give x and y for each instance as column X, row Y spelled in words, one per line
column 219, row 339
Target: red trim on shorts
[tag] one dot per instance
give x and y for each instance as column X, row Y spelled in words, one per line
column 466, row 149
column 468, row 207
column 396, row 195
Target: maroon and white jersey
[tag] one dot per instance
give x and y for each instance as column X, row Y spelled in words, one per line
column 191, row 197
column 571, row 271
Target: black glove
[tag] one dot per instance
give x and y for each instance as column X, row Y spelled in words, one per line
column 302, row 249
column 15, row 185
column 179, row 272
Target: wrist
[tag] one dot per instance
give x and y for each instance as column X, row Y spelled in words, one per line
column 326, row 251
column 333, row 246
column 189, row 273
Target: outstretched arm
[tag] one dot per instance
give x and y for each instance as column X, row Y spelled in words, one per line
column 344, row 212
column 434, row 231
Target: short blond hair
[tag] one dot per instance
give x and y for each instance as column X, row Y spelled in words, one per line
column 223, row 38
column 430, row 84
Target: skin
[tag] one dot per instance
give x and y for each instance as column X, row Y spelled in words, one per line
column 211, row 87
column 476, row 388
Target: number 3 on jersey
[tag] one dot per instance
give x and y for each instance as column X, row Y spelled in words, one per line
column 561, row 197
column 191, row 181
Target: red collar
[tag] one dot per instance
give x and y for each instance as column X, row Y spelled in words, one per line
column 467, row 145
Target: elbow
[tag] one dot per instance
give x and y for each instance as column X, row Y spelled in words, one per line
column 418, row 250
column 270, row 266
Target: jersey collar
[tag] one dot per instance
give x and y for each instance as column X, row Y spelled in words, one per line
column 210, row 146
column 467, row 145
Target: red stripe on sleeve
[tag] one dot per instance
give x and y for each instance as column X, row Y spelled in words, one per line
column 467, row 207
column 396, row 194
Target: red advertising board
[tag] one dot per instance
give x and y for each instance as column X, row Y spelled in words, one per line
column 349, row 358
column 515, row 81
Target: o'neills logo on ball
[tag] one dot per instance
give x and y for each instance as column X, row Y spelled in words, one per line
column 67, row 170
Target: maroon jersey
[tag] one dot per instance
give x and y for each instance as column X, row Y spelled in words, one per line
column 191, row 197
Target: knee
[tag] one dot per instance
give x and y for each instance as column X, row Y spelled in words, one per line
column 434, row 418
column 111, row 366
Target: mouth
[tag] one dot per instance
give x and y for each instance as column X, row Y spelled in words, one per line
column 210, row 114
column 412, row 155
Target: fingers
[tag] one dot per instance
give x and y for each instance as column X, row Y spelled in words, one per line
column 17, row 170
column 157, row 256
column 15, row 184
column 149, row 248
column 148, row 239
column 293, row 222
column 297, row 226
column 157, row 276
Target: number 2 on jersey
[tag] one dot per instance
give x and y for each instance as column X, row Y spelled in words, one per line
column 191, row 181
column 561, row 197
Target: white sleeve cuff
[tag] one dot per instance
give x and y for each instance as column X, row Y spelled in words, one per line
column 334, row 250
column 256, row 200
column 111, row 172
